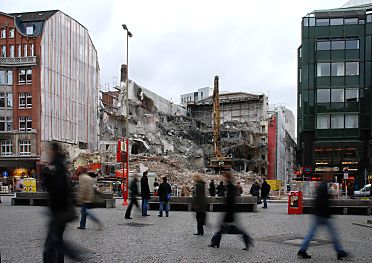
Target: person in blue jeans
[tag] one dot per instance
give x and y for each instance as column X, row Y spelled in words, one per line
column 145, row 193
column 322, row 216
column 164, row 192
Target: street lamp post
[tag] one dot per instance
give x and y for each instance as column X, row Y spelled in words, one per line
column 126, row 93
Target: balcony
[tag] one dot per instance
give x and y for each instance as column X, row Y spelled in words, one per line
column 18, row 61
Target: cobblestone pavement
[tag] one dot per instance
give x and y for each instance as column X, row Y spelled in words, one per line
column 152, row 239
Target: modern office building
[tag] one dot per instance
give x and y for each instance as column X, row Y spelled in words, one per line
column 334, row 93
column 49, row 79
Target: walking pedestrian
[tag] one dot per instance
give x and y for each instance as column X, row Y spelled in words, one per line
column 265, row 190
column 255, row 191
column 86, row 196
column 133, row 193
column 221, row 189
column 61, row 208
column 322, row 217
column 145, row 193
column 185, row 190
column 239, row 189
column 212, row 189
column 228, row 226
column 164, row 192
column 199, row 203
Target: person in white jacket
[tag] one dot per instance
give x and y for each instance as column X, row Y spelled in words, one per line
column 86, row 197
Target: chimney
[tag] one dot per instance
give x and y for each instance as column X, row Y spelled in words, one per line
column 123, row 73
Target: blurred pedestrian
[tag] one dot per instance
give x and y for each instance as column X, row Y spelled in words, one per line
column 221, row 189
column 199, row 203
column 145, row 193
column 185, row 190
column 255, row 191
column 239, row 189
column 265, row 190
column 133, row 193
column 164, row 192
column 228, row 226
column 86, row 195
column 322, row 217
column 61, row 208
column 212, row 189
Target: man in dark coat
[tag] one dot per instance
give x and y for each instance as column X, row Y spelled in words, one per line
column 212, row 189
column 322, row 216
column 61, row 208
column 133, row 193
column 255, row 191
column 145, row 193
column 199, row 203
column 228, row 226
column 221, row 189
column 265, row 190
column 164, row 192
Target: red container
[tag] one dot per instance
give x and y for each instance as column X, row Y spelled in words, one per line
column 295, row 203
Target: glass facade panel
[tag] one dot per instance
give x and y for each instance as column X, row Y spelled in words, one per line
column 323, row 69
column 322, row 121
column 351, row 121
column 352, row 68
column 338, row 44
column 322, row 95
column 337, row 21
column 352, row 95
column 337, row 121
column 352, row 44
column 337, row 69
column 351, row 21
column 337, row 95
column 323, row 45
column 323, row 22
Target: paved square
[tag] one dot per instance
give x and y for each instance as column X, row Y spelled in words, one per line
column 171, row 239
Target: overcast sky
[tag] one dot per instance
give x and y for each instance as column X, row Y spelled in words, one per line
column 179, row 46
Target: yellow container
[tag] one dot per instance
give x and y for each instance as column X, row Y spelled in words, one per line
column 275, row 185
column 26, row 185
column 32, row 187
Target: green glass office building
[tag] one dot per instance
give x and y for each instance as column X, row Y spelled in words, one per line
column 334, row 93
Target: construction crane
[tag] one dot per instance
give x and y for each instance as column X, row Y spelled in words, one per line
column 218, row 162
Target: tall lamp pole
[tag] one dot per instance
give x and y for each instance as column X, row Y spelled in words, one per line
column 126, row 160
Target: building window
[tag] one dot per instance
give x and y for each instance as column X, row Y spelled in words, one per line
column 337, row 69
column 351, row 21
column 2, row 123
column 25, row 100
column 3, row 33
column 322, row 95
column 25, row 50
column 351, row 121
column 2, row 100
column 323, row 69
column 337, row 121
column 352, row 95
column 11, row 33
column 11, row 51
column 323, row 45
column 337, row 95
column 300, row 52
column 6, row 148
column 338, row 44
column 2, row 77
column 32, row 52
column 299, row 100
column 322, row 121
column 9, row 123
column 369, row 18
column 337, row 21
column 25, row 76
column 24, row 147
column 299, row 75
column 9, row 77
column 9, row 100
column 25, row 123
column 352, row 44
column 3, row 51
column 29, row 30
column 322, row 22
column 19, row 48
column 352, row 68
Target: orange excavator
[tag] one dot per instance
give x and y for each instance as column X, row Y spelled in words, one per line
column 218, row 162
